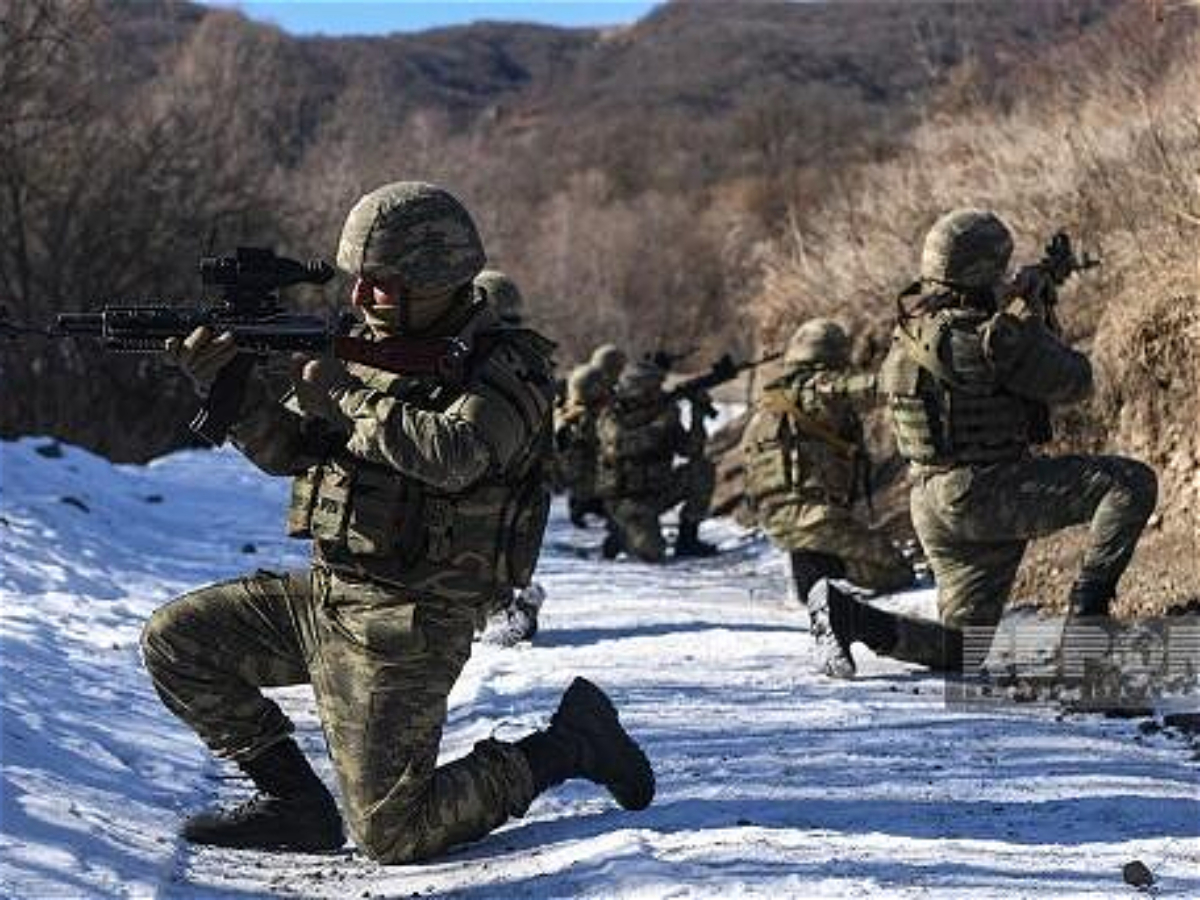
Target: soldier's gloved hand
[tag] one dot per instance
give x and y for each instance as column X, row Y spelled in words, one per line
column 201, row 356
column 320, row 385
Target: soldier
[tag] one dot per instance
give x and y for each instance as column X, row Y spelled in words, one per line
column 610, row 360
column 640, row 435
column 503, row 294
column 970, row 377
column 806, row 465
column 576, row 443
column 406, row 486
column 516, row 618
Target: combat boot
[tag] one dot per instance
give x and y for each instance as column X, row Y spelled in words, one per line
column 293, row 810
column 518, row 621
column 1089, row 599
column 613, row 545
column 829, row 623
column 688, row 543
column 586, row 740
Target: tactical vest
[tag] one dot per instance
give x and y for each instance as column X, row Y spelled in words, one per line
column 637, row 448
column 801, row 446
column 369, row 520
column 941, row 390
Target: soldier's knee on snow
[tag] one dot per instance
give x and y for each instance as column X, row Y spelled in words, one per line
column 157, row 637
column 380, row 841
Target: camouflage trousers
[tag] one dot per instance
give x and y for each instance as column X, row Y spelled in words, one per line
column 975, row 521
column 636, row 517
column 868, row 557
column 381, row 667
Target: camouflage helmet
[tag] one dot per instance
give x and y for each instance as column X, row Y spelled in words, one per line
column 413, row 230
column 967, row 248
column 609, row 359
column 641, row 379
column 586, row 384
column 502, row 293
column 818, row 341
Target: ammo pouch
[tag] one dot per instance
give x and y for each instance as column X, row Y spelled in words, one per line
column 363, row 507
column 770, row 463
column 939, row 420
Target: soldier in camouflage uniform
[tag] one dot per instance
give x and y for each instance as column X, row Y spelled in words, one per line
column 423, row 499
column 640, row 435
column 971, row 374
column 516, row 617
column 502, row 293
column 611, row 361
column 806, row 465
column 576, row 443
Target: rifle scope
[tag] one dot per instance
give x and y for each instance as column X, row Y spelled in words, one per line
column 259, row 269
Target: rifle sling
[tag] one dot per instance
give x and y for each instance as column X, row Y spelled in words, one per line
column 778, row 402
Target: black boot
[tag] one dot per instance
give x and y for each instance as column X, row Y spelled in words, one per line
column 830, row 623
column 293, row 810
column 518, row 621
column 585, row 740
column 1087, row 598
column 809, row 567
column 613, row 545
column 688, row 543
column 839, row 618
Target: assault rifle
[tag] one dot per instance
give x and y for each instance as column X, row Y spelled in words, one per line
column 248, row 284
column 721, row 371
column 666, row 360
column 1038, row 283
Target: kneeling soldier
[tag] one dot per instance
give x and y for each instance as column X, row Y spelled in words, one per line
column 424, row 500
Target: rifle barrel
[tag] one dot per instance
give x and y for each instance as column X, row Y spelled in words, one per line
column 83, row 323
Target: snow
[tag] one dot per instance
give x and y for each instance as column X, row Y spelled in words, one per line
column 773, row 782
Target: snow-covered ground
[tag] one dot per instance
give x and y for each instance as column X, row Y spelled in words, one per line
column 772, row 782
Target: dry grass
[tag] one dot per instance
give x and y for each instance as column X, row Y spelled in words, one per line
column 1104, row 140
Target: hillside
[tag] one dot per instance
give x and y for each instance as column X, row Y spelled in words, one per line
column 1098, row 138
column 629, row 178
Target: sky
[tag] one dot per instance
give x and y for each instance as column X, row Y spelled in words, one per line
column 343, row 17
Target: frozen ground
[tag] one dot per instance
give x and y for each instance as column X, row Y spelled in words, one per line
column 772, row 782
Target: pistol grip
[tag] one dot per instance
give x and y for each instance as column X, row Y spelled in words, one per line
column 214, row 419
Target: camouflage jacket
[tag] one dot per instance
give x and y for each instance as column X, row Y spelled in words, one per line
column 638, row 442
column 437, row 488
column 577, row 447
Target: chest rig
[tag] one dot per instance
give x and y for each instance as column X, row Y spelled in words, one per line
column 802, row 444
column 942, row 392
column 369, row 520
